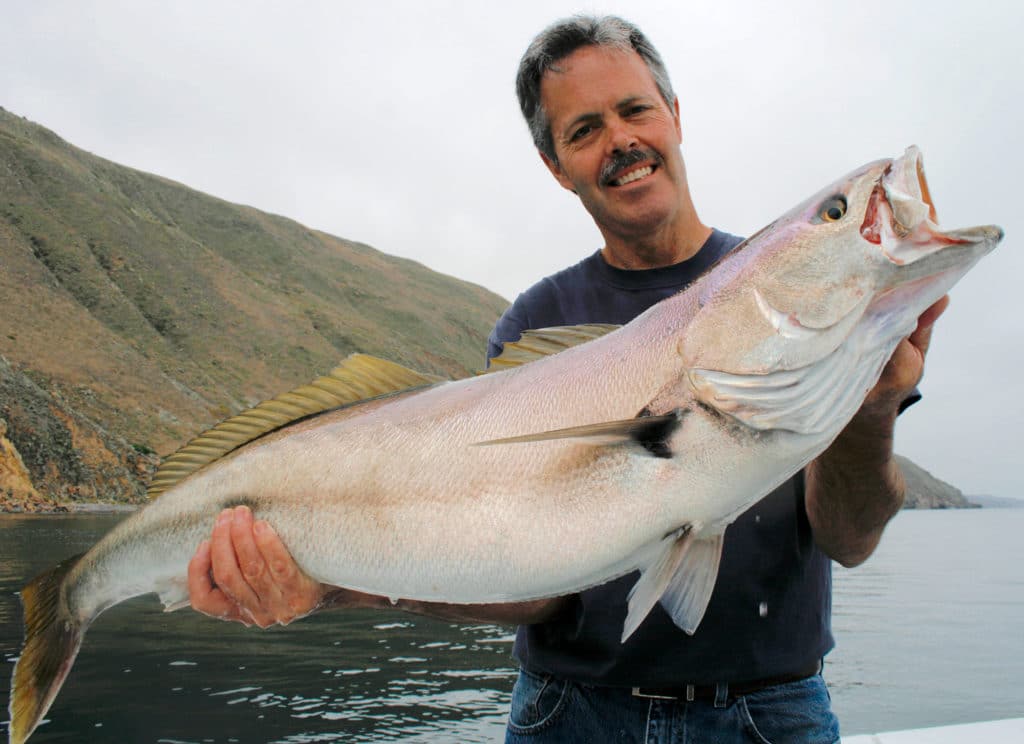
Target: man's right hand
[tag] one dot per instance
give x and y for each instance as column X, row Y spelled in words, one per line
column 246, row 574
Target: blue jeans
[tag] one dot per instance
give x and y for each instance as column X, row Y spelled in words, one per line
column 546, row 710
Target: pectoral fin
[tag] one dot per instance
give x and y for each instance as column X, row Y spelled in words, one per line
column 651, row 432
column 682, row 576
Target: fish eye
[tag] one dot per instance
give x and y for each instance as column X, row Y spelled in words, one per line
column 833, row 209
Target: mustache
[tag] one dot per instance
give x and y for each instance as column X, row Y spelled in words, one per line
column 621, row 160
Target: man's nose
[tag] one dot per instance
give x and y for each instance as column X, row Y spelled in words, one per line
column 621, row 138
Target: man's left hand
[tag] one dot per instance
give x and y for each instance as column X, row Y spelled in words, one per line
column 905, row 368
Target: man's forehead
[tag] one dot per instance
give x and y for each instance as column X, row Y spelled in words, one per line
column 595, row 76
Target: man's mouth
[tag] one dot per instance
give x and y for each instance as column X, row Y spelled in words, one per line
column 627, row 167
column 633, row 175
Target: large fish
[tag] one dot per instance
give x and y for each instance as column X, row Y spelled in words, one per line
column 634, row 450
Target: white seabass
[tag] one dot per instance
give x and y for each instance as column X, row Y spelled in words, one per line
column 633, row 451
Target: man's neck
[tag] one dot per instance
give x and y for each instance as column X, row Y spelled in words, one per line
column 656, row 251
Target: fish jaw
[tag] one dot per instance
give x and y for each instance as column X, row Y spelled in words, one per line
column 921, row 261
column 902, row 221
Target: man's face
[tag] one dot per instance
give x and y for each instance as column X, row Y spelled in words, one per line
column 616, row 139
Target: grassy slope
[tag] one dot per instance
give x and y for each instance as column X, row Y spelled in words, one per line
column 154, row 310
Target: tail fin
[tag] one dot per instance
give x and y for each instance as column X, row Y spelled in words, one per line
column 53, row 636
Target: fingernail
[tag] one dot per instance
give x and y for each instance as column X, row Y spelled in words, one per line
column 263, row 528
column 224, row 517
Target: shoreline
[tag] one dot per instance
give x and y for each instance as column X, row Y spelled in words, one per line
column 75, row 508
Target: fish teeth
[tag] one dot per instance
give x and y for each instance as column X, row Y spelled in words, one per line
column 903, row 191
column 908, row 210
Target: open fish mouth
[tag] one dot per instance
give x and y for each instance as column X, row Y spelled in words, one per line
column 901, row 217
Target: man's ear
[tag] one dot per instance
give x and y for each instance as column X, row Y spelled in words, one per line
column 675, row 115
column 557, row 172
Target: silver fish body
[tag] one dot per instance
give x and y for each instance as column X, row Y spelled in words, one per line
column 635, row 450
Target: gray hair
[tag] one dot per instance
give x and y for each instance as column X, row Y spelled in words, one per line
column 561, row 39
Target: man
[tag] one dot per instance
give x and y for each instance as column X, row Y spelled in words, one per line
column 606, row 122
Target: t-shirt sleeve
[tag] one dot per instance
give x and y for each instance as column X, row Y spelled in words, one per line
column 911, row 399
column 510, row 327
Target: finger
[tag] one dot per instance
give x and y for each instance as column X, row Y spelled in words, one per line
column 200, row 585
column 921, row 338
column 226, row 573
column 258, row 599
column 279, row 561
column 300, row 594
column 203, row 595
column 250, row 560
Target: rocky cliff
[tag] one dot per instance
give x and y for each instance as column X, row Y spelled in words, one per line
column 136, row 312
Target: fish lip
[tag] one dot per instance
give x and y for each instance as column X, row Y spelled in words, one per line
column 980, row 234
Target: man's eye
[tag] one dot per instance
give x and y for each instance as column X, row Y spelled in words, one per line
column 580, row 133
column 637, row 109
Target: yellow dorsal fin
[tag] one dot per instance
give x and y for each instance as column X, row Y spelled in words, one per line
column 543, row 342
column 360, row 377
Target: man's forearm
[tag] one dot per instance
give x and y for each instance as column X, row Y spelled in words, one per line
column 854, row 488
column 510, row 613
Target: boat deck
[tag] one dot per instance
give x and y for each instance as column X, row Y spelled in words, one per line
column 1008, row 731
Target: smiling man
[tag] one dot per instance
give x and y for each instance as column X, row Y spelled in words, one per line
column 605, row 120
column 604, row 117
column 614, row 141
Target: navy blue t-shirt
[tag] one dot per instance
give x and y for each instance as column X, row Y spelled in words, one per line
column 770, row 613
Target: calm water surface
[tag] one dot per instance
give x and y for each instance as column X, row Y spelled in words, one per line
column 929, row 632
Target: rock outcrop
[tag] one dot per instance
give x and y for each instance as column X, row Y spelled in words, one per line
column 52, row 457
column 16, row 490
column 925, row 491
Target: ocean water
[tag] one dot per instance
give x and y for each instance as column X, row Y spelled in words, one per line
column 928, row 631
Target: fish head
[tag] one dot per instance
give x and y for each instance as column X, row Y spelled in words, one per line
column 822, row 296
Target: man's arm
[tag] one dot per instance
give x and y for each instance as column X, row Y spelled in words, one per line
column 855, row 487
column 246, row 574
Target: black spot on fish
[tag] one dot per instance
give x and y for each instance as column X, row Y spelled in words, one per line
column 654, row 436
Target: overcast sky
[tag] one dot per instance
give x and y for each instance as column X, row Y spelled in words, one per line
column 395, row 124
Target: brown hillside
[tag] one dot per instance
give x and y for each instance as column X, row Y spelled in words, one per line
column 145, row 311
